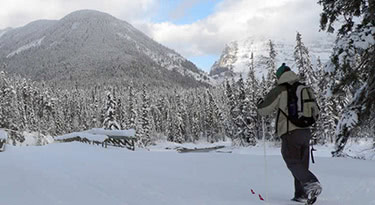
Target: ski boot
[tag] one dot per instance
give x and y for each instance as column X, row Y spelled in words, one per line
column 312, row 190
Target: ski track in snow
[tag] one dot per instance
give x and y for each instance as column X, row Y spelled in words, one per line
column 76, row 173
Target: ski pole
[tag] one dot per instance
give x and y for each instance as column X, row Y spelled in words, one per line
column 265, row 158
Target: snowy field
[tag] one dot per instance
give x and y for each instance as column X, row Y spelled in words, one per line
column 78, row 174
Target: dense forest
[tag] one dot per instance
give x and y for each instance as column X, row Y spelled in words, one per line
column 344, row 89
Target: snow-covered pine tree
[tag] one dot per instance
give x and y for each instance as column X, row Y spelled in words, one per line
column 270, row 82
column 180, row 132
column 94, row 108
column 249, row 123
column 231, row 103
column 238, row 114
column 109, row 121
column 23, row 102
column 157, row 112
column 262, row 93
column 352, row 62
column 75, row 108
column 214, row 118
column 209, row 117
column 143, row 132
column 165, row 110
column 189, row 103
column 121, row 114
column 250, row 103
column 304, row 65
column 170, row 129
column 219, row 92
column 8, row 114
column 219, row 116
column 195, row 129
column 307, row 75
column 84, row 121
column 271, row 66
column 321, row 127
column 31, row 102
column 59, row 119
column 199, row 115
column 131, row 110
column 85, row 114
column 184, row 114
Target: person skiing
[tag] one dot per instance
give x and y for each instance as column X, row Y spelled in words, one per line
column 295, row 147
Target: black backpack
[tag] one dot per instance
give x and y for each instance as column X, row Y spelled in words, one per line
column 302, row 107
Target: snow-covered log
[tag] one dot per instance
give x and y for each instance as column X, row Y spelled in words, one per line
column 119, row 133
column 205, row 149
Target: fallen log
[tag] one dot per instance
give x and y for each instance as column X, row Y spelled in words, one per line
column 205, row 149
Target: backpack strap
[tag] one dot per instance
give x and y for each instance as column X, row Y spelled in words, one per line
column 287, row 85
column 299, row 93
column 287, row 119
column 311, row 99
column 289, row 88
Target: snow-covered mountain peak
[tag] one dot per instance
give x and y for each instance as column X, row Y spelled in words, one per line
column 88, row 14
column 236, row 55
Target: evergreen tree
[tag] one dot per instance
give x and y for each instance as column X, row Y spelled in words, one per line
column 121, row 113
column 132, row 113
column 238, row 114
column 352, row 62
column 324, row 127
column 303, row 63
column 199, row 116
column 231, row 104
column 195, row 126
column 269, row 83
column 271, row 66
column 8, row 113
column 214, row 118
column 75, row 110
column 170, row 129
column 307, row 75
column 110, row 122
column 94, row 108
column 179, row 121
column 157, row 114
column 209, row 117
column 144, row 121
column 250, row 103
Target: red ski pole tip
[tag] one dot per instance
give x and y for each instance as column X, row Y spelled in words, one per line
column 261, row 198
column 252, row 192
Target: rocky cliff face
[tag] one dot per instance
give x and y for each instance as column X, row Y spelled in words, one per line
column 235, row 58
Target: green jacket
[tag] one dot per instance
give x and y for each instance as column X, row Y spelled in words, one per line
column 277, row 98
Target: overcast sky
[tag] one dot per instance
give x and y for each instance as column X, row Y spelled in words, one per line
column 197, row 29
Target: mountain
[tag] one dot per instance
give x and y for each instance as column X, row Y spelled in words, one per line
column 3, row 31
column 235, row 57
column 90, row 47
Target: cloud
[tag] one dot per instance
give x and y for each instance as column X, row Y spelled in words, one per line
column 238, row 19
column 230, row 20
column 181, row 9
column 15, row 13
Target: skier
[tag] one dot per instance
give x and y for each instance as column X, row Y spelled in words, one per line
column 295, row 140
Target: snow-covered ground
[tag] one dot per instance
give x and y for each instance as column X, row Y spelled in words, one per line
column 77, row 173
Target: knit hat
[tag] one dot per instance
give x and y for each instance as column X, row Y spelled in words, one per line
column 283, row 68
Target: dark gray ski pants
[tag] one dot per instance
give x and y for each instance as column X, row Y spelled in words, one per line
column 295, row 149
